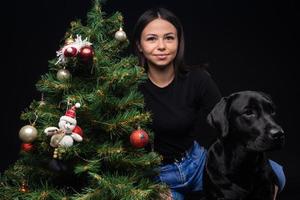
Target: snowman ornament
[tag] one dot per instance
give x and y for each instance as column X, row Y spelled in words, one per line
column 68, row 130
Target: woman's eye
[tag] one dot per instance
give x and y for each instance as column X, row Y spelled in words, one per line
column 150, row 38
column 170, row 38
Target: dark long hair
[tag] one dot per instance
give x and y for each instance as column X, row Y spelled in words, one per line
column 144, row 20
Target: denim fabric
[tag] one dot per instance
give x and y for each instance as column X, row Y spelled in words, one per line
column 187, row 174
column 279, row 173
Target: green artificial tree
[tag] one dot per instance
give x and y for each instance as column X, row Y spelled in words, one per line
column 92, row 89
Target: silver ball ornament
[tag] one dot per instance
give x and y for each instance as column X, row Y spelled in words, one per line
column 120, row 35
column 28, row 133
column 63, row 75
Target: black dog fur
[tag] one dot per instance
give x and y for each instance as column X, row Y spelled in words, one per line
column 237, row 166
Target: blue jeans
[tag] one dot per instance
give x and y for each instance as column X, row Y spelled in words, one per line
column 187, row 174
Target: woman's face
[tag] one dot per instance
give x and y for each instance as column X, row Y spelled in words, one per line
column 159, row 43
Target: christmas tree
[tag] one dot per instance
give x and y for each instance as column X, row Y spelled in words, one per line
column 86, row 137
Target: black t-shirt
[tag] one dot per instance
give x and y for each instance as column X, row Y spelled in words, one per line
column 177, row 108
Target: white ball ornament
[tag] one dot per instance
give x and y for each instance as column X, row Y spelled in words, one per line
column 28, row 133
column 120, row 35
column 63, row 75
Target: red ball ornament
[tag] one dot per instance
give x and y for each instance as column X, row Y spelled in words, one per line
column 26, row 147
column 70, row 52
column 86, row 53
column 139, row 138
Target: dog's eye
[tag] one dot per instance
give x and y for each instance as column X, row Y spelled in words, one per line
column 249, row 113
column 273, row 114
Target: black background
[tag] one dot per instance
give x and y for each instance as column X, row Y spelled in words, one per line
column 251, row 45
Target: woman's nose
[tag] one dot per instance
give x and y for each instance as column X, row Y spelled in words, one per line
column 161, row 44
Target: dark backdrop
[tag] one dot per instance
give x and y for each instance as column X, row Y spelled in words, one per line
column 250, row 45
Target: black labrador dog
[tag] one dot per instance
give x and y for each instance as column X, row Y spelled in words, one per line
column 237, row 166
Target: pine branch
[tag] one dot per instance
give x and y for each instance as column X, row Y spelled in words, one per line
column 49, row 84
column 125, row 188
column 124, row 122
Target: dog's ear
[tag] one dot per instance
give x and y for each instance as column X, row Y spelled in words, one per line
column 217, row 117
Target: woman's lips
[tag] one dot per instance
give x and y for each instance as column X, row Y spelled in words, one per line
column 161, row 56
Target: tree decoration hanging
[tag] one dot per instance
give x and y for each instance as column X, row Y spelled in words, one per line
column 67, row 133
column 120, row 35
column 69, row 40
column 63, row 74
column 42, row 102
column 24, row 187
column 27, row 147
column 86, row 53
column 71, row 49
column 29, row 133
column 139, row 138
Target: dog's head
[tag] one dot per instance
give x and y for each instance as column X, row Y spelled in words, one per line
column 248, row 118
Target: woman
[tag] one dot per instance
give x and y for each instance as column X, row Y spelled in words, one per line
column 176, row 96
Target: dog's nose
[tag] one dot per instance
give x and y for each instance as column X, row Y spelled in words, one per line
column 276, row 133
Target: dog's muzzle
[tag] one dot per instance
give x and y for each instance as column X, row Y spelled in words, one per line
column 276, row 134
column 277, row 137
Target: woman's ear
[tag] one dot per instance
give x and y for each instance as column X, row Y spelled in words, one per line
column 139, row 47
